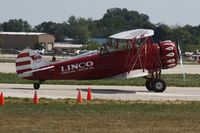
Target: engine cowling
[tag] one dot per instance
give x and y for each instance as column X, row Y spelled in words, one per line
column 169, row 54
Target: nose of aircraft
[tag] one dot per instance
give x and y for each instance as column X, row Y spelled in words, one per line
column 169, row 54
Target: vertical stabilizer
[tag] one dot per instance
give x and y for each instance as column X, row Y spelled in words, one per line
column 28, row 60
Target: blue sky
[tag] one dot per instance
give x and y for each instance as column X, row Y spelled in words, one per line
column 171, row 12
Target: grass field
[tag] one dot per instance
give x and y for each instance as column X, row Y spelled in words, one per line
column 7, row 60
column 191, row 80
column 20, row 115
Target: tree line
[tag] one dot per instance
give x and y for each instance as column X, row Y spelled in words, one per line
column 113, row 21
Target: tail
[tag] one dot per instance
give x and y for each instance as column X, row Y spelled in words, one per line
column 28, row 60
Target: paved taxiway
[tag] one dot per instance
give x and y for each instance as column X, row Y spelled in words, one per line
column 102, row 92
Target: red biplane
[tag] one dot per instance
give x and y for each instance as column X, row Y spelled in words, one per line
column 125, row 54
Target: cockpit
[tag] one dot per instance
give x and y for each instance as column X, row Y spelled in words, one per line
column 115, row 45
column 121, row 45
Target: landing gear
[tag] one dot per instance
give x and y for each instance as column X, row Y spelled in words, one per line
column 148, row 84
column 37, row 85
column 155, row 83
column 158, row 85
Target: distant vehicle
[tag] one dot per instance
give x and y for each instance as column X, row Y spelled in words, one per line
column 78, row 52
column 128, row 52
column 42, row 52
column 192, row 56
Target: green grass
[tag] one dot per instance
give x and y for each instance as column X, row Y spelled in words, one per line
column 20, row 115
column 7, row 60
column 191, row 80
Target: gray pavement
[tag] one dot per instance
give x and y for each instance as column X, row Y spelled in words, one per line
column 7, row 68
column 102, row 92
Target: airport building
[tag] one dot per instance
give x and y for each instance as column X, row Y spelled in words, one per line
column 66, row 48
column 22, row 40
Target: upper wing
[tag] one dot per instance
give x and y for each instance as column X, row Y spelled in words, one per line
column 133, row 34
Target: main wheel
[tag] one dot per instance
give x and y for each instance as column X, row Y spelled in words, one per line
column 158, row 85
column 36, row 86
column 148, row 84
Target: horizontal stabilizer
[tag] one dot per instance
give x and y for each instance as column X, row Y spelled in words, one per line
column 41, row 69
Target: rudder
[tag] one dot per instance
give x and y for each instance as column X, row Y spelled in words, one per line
column 28, row 60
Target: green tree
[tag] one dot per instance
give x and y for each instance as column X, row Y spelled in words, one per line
column 16, row 25
column 1, row 27
column 59, row 30
column 91, row 46
column 194, row 33
column 79, row 29
column 117, row 20
column 163, row 32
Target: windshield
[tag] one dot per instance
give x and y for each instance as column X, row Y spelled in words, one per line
column 140, row 41
column 119, row 45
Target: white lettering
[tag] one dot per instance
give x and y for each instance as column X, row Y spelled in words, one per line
column 89, row 63
column 74, row 66
column 62, row 68
column 68, row 67
column 82, row 66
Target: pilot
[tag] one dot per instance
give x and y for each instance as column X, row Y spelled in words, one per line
column 141, row 41
column 104, row 50
column 53, row 58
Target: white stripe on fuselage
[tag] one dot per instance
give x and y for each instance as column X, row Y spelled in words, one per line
column 22, row 67
column 22, row 59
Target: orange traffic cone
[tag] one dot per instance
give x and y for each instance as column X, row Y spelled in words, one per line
column 79, row 97
column 35, row 99
column 89, row 95
column 2, row 102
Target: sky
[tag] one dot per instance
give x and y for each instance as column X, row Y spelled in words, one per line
column 171, row 12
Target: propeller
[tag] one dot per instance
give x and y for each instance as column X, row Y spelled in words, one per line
column 179, row 54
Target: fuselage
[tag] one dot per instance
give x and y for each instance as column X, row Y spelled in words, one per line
column 104, row 65
column 125, row 54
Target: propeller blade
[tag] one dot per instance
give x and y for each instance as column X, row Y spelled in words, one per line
column 177, row 45
column 181, row 60
column 179, row 54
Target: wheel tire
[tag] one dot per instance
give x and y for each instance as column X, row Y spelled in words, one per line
column 158, row 85
column 36, row 86
column 148, row 85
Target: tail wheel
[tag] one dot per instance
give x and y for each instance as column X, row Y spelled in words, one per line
column 36, row 86
column 158, row 85
column 148, row 85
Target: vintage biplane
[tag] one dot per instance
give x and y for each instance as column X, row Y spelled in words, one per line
column 124, row 54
